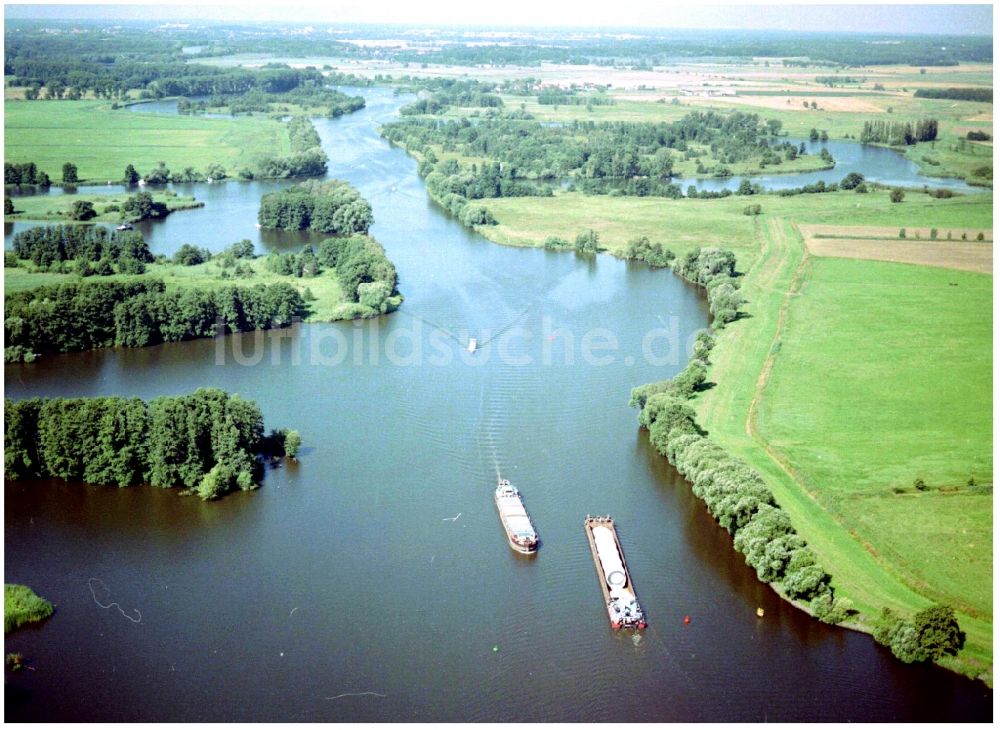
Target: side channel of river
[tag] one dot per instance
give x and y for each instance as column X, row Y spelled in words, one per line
column 371, row 580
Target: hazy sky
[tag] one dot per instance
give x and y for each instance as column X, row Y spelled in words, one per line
column 924, row 18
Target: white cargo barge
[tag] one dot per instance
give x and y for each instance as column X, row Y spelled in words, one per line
column 520, row 532
column 616, row 584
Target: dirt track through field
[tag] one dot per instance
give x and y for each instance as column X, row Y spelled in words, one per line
column 884, row 244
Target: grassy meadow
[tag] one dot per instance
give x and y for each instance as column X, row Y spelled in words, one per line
column 101, row 141
column 884, row 377
column 746, row 354
column 56, row 207
column 687, row 224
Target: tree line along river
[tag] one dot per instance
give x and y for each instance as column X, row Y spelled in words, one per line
column 371, row 581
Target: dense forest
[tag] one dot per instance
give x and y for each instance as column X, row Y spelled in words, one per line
column 73, row 316
column 108, row 65
column 960, row 94
column 332, row 102
column 554, row 96
column 25, row 173
column 628, row 158
column 327, row 206
column 207, row 441
column 598, row 149
column 50, row 248
column 899, row 133
column 437, row 94
column 366, row 275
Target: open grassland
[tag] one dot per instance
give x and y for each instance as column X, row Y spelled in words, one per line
column 743, row 359
column 102, row 141
column 686, row 224
column 884, row 377
column 947, row 251
column 681, row 225
column 882, row 548
column 57, row 207
column 209, row 275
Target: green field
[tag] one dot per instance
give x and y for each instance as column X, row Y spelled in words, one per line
column 884, row 377
column 208, row 275
column 686, row 224
column 55, row 207
column 101, row 141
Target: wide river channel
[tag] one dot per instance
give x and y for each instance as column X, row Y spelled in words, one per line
column 371, row 581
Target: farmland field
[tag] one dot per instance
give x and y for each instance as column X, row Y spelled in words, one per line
column 950, row 249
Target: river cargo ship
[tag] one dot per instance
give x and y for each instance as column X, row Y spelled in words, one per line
column 520, row 532
column 623, row 607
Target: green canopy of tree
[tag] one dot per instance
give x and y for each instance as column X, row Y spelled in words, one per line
column 206, row 441
column 46, row 246
column 327, row 206
column 135, row 313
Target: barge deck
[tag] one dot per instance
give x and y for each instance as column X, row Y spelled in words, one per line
column 623, row 607
column 516, row 524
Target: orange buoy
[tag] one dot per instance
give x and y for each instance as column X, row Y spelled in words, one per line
column 687, row 619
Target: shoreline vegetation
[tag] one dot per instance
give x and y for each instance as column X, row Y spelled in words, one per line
column 325, row 206
column 21, row 606
column 209, row 442
column 73, row 288
column 126, row 207
column 738, row 497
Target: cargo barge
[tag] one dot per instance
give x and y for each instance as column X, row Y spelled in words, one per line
column 516, row 524
column 623, row 607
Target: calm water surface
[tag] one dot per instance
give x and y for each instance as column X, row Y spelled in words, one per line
column 339, row 591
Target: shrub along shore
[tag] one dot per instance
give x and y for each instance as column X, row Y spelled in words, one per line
column 741, row 502
column 21, row 605
column 735, row 494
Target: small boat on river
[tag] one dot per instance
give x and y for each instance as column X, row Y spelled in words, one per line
column 520, row 532
column 473, row 345
column 623, row 607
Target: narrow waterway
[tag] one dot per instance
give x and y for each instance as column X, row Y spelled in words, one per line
column 371, row 580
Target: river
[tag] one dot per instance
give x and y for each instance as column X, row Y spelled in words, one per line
column 371, row 581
